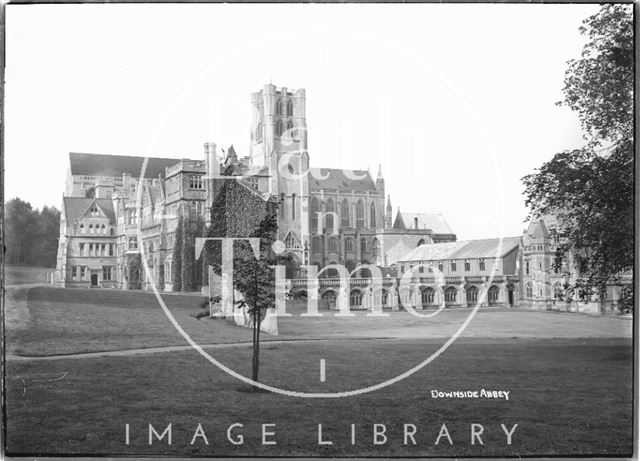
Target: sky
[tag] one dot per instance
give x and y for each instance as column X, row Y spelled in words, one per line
column 455, row 102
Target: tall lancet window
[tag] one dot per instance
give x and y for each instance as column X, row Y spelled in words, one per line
column 329, row 215
column 293, row 206
column 290, row 108
column 279, row 107
column 280, row 128
column 313, row 215
column 345, row 221
column 359, row 215
column 373, row 216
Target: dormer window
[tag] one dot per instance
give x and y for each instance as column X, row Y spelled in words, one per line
column 94, row 210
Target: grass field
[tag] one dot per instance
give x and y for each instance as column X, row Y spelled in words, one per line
column 568, row 395
column 19, row 275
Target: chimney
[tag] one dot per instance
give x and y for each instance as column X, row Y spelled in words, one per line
column 415, row 222
column 211, row 160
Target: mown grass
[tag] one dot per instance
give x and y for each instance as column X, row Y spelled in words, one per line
column 65, row 321
column 571, row 396
column 19, row 275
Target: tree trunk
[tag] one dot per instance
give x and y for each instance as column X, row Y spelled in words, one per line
column 256, row 346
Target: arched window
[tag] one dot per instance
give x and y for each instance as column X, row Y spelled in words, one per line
column 104, row 229
column 290, row 129
column 280, row 128
column 258, row 134
column 344, row 214
column 557, row 291
column 333, row 245
column 472, row 295
column 373, row 216
column 111, row 231
column 82, row 228
column 385, row 297
column 427, row 296
column 363, row 245
column 289, row 107
column 348, row 245
column 420, row 242
column 359, row 215
column 279, row 107
column 91, row 228
column 329, row 296
column 293, row 206
column 493, row 294
column 376, row 247
column 450, row 295
column 329, row 210
column 313, row 215
column 529, row 291
column 356, row 298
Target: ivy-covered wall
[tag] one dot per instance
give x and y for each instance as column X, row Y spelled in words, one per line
column 237, row 211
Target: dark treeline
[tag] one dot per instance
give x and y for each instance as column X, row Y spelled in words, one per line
column 31, row 235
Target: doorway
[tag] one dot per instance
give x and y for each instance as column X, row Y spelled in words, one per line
column 510, row 291
column 94, row 279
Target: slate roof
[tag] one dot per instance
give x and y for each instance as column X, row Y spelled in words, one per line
column 435, row 222
column 116, row 165
column 464, row 249
column 337, row 179
column 76, row 207
column 539, row 230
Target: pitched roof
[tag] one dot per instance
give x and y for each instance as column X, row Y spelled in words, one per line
column 335, row 178
column 116, row 165
column 435, row 222
column 539, row 230
column 76, row 207
column 465, row 249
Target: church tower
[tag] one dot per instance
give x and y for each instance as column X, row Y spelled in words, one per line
column 279, row 143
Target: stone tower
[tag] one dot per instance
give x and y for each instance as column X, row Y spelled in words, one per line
column 279, row 142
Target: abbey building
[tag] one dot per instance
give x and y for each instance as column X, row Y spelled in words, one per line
column 116, row 208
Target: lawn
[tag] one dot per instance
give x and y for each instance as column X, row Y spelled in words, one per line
column 569, row 378
column 18, row 275
column 50, row 321
column 567, row 397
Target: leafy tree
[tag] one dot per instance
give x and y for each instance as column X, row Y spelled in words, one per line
column 255, row 279
column 31, row 235
column 47, row 229
column 187, row 257
column 590, row 190
column 599, row 85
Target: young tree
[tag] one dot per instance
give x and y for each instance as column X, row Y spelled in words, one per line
column 590, row 189
column 254, row 278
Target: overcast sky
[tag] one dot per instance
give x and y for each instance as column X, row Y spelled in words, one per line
column 455, row 101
